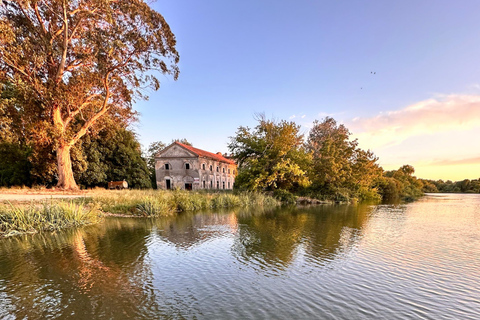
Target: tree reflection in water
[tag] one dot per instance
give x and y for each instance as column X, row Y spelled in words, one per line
column 72, row 273
column 274, row 239
column 123, row 268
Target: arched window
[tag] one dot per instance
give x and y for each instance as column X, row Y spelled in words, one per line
column 224, row 185
column 203, row 166
column 218, row 184
column 211, row 184
column 224, row 172
column 218, row 170
column 211, row 168
column 167, row 166
column 228, row 184
column 228, row 171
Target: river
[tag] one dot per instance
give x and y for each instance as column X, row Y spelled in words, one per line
column 411, row 261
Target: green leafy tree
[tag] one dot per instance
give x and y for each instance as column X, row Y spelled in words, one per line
column 76, row 62
column 153, row 149
column 270, row 157
column 339, row 165
column 14, row 165
column 112, row 155
column 407, row 186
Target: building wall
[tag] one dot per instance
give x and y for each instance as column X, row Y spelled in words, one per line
column 199, row 177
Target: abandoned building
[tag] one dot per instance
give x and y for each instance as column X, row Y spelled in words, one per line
column 184, row 167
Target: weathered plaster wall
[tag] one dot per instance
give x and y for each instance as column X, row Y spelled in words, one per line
column 203, row 172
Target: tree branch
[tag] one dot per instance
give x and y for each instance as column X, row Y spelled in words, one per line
column 61, row 67
column 39, row 18
column 87, row 125
column 73, row 114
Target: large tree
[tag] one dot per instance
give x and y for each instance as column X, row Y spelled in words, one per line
column 271, row 156
column 76, row 62
column 338, row 162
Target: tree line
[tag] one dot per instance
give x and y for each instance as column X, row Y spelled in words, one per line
column 327, row 164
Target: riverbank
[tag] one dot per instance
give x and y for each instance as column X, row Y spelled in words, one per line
column 47, row 216
column 87, row 208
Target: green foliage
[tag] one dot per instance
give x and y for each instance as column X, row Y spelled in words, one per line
column 340, row 168
column 113, row 155
column 14, row 165
column 270, row 157
column 401, row 184
column 463, row 186
column 284, row 196
column 75, row 63
column 152, row 150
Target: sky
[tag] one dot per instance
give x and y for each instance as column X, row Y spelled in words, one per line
column 403, row 76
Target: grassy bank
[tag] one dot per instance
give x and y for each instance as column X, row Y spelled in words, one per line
column 51, row 216
column 59, row 214
column 163, row 203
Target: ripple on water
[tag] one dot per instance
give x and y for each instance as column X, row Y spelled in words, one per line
column 415, row 261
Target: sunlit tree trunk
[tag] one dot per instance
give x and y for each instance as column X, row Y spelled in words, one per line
column 65, row 173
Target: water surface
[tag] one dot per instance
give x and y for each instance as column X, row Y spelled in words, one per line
column 413, row 261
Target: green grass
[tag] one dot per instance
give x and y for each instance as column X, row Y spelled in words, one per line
column 164, row 203
column 16, row 219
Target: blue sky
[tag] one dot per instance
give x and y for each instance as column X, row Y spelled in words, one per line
column 302, row 60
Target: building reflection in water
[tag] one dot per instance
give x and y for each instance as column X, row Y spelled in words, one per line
column 117, row 269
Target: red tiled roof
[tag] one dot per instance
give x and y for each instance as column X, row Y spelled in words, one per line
column 206, row 154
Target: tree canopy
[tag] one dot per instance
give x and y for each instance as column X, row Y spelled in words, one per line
column 339, row 165
column 270, row 157
column 75, row 63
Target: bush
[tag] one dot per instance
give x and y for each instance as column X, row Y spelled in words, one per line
column 284, row 196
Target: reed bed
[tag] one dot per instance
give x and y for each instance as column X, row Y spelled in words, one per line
column 150, row 203
column 48, row 216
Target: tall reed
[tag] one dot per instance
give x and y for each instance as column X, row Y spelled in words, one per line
column 163, row 203
column 50, row 216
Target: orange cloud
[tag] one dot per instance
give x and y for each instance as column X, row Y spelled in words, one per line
column 450, row 113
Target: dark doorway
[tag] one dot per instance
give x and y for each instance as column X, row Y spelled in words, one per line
column 188, row 186
column 167, row 182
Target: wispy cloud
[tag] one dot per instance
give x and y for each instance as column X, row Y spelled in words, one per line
column 453, row 112
column 449, row 162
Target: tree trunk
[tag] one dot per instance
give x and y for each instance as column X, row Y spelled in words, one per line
column 64, row 166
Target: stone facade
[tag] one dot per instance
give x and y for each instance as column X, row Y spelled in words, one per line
column 184, row 167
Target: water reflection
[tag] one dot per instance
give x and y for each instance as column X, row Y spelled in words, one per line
column 275, row 239
column 191, row 229
column 329, row 262
column 110, row 269
column 72, row 273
